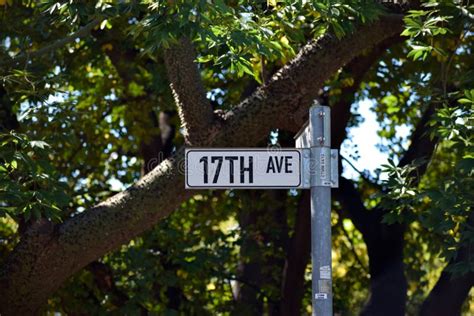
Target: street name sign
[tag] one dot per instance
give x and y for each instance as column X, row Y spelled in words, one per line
column 258, row 168
column 312, row 165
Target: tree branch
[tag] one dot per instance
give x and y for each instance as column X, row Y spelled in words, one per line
column 194, row 108
column 362, row 175
column 47, row 255
column 83, row 31
column 158, row 147
column 295, row 85
column 422, row 146
column 357, row 68
column 347, row 194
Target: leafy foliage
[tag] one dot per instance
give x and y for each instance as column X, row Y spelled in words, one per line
column 29, row 186
column 442, row 205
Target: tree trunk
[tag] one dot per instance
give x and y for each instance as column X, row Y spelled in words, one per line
column 264, row 240
column 385, row 249
column 388, row 285
column 450, row 292
column 448, row 295
column 249, row 271
column 297, row 258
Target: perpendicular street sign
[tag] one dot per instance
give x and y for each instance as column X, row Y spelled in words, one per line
column 240, row 168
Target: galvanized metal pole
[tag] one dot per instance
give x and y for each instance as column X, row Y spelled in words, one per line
column 320, row 141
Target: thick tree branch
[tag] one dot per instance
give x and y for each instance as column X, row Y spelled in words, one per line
column 194, row 108
column 298, row 83
column 357, row 68
column 47, row 255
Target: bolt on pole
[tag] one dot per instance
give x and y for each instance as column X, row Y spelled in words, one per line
column 320, row 142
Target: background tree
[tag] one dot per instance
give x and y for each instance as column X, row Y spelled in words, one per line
column 98, row 100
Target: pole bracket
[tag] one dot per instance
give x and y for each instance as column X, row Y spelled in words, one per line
column 319, row 167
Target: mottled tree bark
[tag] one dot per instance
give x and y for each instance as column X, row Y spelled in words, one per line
column 194, row 108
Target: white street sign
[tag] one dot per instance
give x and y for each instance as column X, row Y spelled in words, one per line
column 243, row 168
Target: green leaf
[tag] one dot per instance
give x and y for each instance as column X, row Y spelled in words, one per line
column 465, row 101
column 39, row 144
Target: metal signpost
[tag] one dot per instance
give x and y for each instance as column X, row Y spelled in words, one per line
column 311, row 165
column 318, row 133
